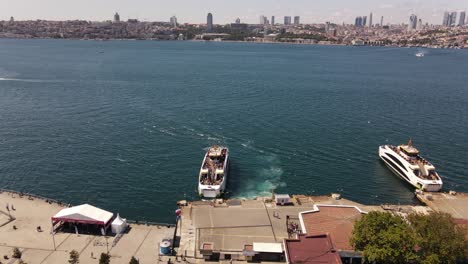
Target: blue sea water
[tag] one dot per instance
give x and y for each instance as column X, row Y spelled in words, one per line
column 124, row 124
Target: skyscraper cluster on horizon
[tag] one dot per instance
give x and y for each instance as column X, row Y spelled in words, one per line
column 361, row 21
column 414, row 23
column 450, row 19
column 287, row 20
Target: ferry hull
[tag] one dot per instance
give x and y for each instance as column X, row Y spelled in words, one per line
column 409, row 177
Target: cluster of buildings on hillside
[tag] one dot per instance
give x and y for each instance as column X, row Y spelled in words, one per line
column 449, row 20
column 80, row 29
column 451, row 34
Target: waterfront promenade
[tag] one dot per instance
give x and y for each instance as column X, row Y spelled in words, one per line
column 228, row 225
column 140, row 241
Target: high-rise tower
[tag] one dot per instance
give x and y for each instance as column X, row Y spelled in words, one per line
column 413, row 22
column 453, row 19
column 297, row 20
column 446, row 20
column 358, row 22
column 461, row 22
column 173, row 21
column 209, row 22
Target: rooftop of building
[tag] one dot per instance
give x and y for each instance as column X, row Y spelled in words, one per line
column 311, row 249
column 335, row 220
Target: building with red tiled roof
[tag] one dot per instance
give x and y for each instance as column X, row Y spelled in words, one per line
column 310, row 250
column 335, row 220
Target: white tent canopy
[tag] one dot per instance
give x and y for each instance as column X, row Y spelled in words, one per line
column 119, row 225
column 85, row 214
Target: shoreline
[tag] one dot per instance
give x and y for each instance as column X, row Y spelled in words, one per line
column 235, row 41
column 51, row 201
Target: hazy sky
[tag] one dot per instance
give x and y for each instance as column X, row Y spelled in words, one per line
column 194, row 11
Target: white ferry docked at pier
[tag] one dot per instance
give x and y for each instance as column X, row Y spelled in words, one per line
column 406, row 162
column 214, row 172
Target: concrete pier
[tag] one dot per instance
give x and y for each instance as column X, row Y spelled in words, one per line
column 455, row 204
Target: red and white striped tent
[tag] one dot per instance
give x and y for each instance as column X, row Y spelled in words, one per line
column 83, row 214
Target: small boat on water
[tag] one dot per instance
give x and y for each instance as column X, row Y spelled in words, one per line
column 419, row 54
column 213, row 172
column 405, row 162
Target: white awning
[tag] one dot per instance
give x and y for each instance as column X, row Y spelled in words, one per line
column 268, row 247
column 282, row 196
column 84, row 213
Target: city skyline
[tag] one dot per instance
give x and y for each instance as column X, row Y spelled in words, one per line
column 336, row 11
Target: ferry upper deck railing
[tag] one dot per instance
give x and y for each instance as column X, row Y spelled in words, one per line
column 412, row 161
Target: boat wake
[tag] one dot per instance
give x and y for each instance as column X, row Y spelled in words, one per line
column 167, row 132
column 266, row 179
column 26, row 80
column 420, row 53
column 173, row 129
column 248, row 145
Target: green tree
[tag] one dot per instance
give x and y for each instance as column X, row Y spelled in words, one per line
column 16, row 253
column 384, row 238
column 439, row 239
column 133, row 260
column 104, row 259
column 74, row 257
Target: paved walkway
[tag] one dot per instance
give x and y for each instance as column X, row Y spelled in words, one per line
column 455, row 205
column 38, row 247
